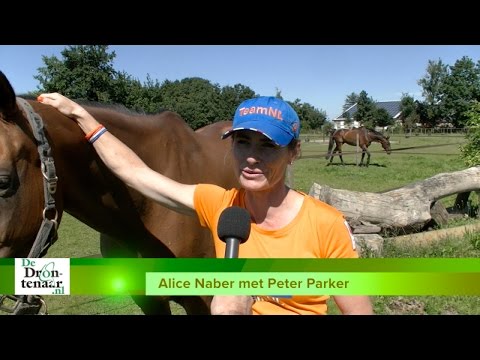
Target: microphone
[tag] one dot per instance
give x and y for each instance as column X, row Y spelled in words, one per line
column 233, row 229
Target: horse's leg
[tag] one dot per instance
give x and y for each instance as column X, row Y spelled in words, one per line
column 112, row 248
column 150, row 305
column 194, row 305
column 365, row 150
column 330, row 156
column 339, row 150
column 334, row 150
column 153, row 305
column 331, row 159
column 361, row 160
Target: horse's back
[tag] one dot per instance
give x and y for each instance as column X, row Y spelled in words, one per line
column 352, row 136
column 216, row 129
column 339, row 136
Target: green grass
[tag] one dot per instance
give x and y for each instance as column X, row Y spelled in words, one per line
column 75, row 239
column 431, row 305
column 385, row 172
column 466, row 247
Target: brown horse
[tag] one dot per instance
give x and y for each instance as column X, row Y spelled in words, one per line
column 47, row 167
column 361, row 136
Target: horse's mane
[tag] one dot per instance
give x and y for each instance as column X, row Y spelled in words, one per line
column 111, row 106
column 376, row 132
column 27, row 96
column 117, row 107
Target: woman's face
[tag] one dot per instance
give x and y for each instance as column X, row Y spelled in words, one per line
column 260, row 163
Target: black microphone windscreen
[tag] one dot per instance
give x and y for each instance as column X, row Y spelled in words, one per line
column 234, row 222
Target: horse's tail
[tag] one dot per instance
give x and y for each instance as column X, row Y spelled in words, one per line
column 330, row 146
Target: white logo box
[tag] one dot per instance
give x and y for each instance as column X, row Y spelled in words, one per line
column 42, row 276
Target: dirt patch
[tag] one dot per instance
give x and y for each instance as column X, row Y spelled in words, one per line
column 403, row 306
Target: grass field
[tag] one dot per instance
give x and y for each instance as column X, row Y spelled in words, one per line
column 412, row 159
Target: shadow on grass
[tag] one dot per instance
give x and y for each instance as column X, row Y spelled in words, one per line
column 355, row 165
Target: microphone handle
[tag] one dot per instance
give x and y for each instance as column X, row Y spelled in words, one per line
column 231, row 249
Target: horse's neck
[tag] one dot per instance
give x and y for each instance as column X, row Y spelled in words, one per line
column 118, row 120
column 376, row 137
column 81, row 169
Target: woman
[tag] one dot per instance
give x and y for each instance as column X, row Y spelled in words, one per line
column 284, row 222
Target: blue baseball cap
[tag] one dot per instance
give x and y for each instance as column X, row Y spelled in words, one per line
column 268, row 115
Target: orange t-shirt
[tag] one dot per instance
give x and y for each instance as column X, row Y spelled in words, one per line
column 318, row 231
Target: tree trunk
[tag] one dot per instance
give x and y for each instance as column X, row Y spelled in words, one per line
column 400, row 211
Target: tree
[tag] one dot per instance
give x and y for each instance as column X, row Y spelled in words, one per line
column 382, row 118
column 127, row 91
column 408, row 107
column 432, row 85
column 366, row 110
column 310, row 117
column 196, row 100
column 470, row 152
column 278, row 93
column 145, row 97
column 350, row 100
column 460, row 89
column 327, row 128
column 231, row 97
column 86, row 72
column 315, row 118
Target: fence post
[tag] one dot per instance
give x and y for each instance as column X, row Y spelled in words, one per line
column 356, row 151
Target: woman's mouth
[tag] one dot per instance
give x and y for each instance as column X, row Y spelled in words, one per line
column 251, row 174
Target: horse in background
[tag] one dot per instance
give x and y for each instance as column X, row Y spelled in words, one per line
column 361, row 136
column 47, row 167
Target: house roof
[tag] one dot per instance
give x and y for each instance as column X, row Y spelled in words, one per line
column 392, row 107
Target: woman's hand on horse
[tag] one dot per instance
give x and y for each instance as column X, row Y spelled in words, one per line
column 63, row 104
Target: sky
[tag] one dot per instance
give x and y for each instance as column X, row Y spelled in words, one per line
column 321, row 75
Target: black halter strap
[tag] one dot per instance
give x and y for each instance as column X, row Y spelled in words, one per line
column 47, row 234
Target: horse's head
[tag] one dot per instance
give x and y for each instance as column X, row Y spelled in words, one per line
column 386, row 144
column 382, row 139
column 21, row 190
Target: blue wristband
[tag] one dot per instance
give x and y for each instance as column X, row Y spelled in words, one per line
column 97, row 135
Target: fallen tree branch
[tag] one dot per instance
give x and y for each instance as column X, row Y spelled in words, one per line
column 403, row 210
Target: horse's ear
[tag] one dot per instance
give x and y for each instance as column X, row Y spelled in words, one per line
column 7, row 96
